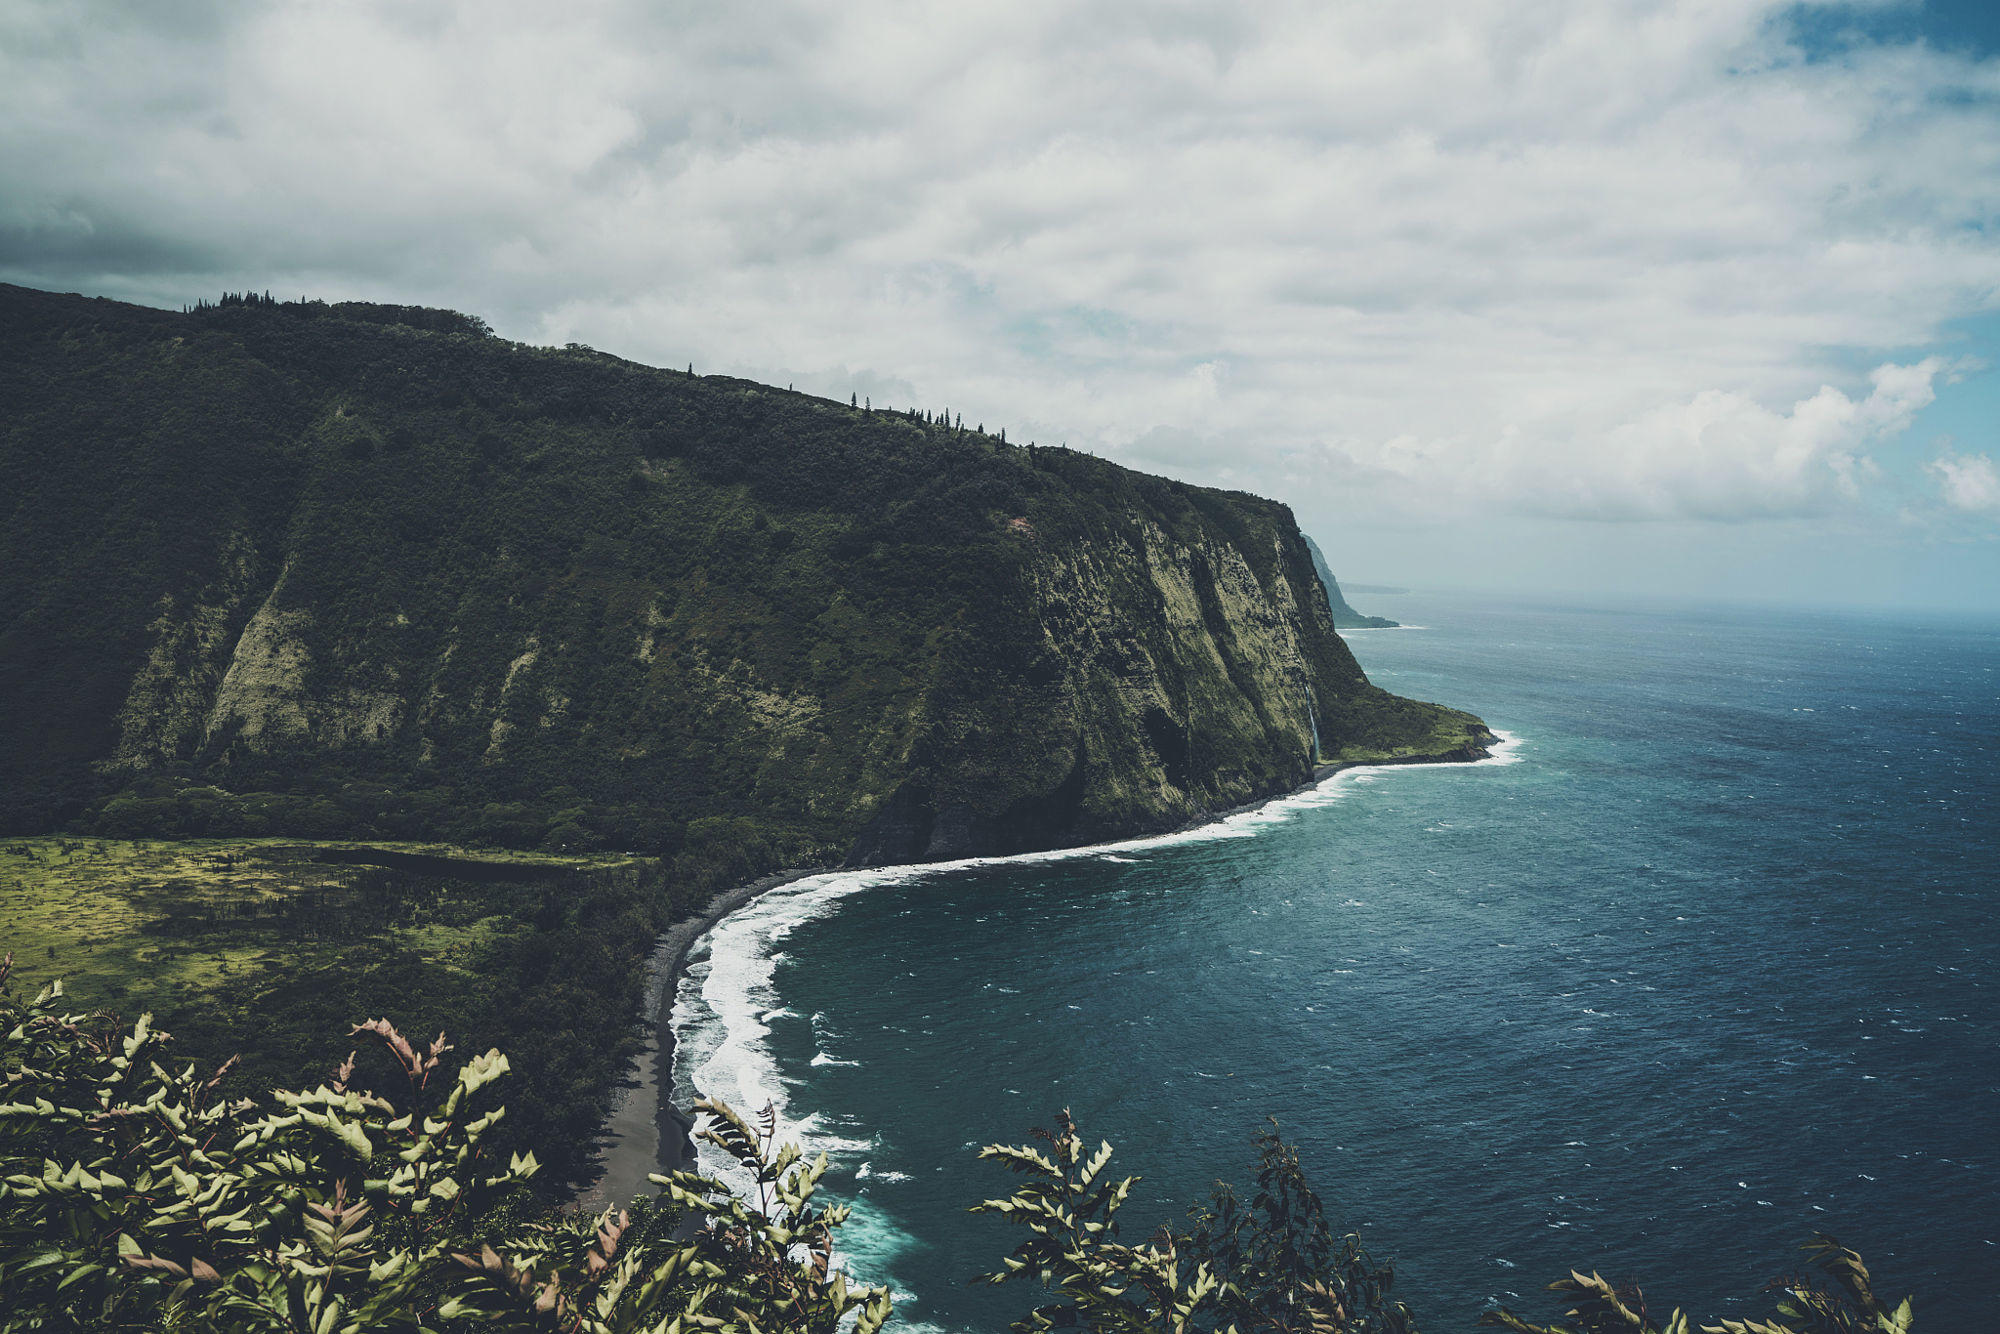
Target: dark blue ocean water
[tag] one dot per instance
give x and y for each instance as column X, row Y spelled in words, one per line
column 1709, row 966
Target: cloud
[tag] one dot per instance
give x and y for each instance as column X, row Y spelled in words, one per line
column 1967, row 482
column 1723, row 455
column 1606, row 260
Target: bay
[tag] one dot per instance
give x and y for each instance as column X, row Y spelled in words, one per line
column 1705, row 966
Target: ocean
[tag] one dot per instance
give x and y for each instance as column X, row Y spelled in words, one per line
column 1702, row 964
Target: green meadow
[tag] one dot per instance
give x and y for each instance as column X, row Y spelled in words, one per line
column 269, row 950
column 145, row 920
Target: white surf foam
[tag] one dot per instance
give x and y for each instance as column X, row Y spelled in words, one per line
column 726, row 996
column 867, row 1172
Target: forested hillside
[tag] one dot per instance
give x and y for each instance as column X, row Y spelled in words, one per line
column 369, row 571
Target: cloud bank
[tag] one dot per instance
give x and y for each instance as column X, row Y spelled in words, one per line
column 1620, row 261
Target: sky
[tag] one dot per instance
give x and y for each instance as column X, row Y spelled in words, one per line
column 1576, row 298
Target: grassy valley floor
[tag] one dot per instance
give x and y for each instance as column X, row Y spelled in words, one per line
column 272, row 949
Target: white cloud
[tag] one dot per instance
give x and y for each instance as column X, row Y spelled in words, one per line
column 1614, row 260
column 1967, row 481
column 1723, row 455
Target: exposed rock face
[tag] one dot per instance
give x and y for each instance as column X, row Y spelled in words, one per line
column 1173, row 681
column 450, row 586
column 263, row 694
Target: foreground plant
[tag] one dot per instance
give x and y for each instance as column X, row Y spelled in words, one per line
column 1840, row 1299
column 1272, row 1265
column 1277, row 1265
column 132, row 1197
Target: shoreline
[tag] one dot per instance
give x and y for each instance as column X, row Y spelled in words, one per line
column 646, row 1131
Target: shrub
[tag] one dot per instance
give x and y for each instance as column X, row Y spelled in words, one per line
column 1840, row 1299
column 133, row 1198
column 1276, row 1265
column 1273, row 1265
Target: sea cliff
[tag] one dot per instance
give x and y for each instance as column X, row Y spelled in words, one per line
column 369, row 571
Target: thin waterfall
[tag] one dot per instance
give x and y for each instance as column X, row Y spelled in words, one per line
column 1312, row 718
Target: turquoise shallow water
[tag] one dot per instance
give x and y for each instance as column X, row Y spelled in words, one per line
column 1708, row 967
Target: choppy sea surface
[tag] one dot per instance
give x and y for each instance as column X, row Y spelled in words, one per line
column 1704, row 963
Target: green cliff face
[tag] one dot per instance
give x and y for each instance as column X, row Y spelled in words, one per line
column 364, row 571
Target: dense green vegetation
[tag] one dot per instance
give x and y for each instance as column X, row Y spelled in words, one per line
column 134, row 1195
column 261, row 949
column 354, row 571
